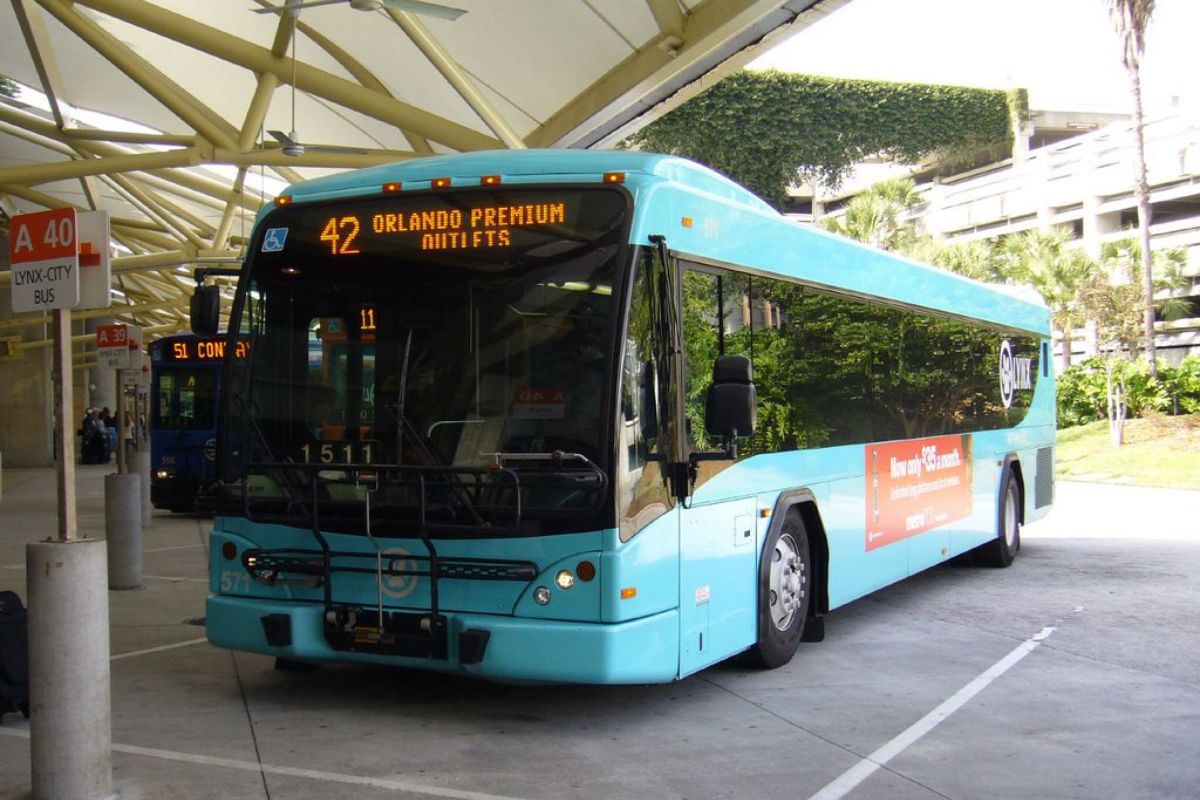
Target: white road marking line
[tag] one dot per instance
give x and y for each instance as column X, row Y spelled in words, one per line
column 175, row 578
column 177, row 547
column 159, row 649
column 848, row 780
column 292, row 772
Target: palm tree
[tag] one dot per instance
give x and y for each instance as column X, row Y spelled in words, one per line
column 1131, row 19
column 879, row 216
column 1042, row 260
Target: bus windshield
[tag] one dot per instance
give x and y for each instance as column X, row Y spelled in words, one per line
column 433, row 331
column 186, row 399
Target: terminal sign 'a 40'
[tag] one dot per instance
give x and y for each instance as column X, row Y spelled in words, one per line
column 44, row 251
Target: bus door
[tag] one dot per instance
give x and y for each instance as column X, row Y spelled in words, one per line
column 718, row 538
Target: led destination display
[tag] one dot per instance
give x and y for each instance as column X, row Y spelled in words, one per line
column 204, row 349
column 490, row 220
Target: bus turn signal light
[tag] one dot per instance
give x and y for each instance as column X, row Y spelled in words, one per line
column 283, row 200
column 229, row 550
column 586, row 570
column 629, row 592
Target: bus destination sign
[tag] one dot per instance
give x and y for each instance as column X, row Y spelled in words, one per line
column 205, row 349
column 475, row 227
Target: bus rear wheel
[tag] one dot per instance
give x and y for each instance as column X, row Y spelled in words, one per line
column 785, row 581
column 1001, row 551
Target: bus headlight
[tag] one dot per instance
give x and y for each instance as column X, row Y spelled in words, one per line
column 541, row 596
column 163, row 475
column 564, row 579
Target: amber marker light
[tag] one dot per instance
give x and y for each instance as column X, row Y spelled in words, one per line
column 283, row 200
column 392, row 186
column 229, row 550
column 586, row 570
column 614, row 177
column 629, row 592
column 490, row 180
column 687, row 222
column 441, row 183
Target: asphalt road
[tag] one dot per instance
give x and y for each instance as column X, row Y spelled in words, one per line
column 1075, row 673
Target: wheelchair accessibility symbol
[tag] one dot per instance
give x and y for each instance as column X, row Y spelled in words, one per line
column 397, row 586
column 274, row 239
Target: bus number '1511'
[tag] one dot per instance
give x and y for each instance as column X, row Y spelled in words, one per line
column 337, row 452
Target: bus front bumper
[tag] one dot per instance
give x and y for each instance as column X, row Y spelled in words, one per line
column 489, row 646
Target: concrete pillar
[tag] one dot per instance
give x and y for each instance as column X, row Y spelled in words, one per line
column 70, row 723
column 123, row 529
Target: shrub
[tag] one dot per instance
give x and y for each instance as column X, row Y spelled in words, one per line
column 1181, row 385
column 1083, row 389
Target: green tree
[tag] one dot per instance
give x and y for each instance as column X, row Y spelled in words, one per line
column 1113, row 298
column 979, row 258
column 1131, row 19
column 880, row 215
column 1043, row 260
column 1123, row 268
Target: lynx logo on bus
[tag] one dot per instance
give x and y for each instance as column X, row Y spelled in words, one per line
column 916, row 485
column 1015, row 373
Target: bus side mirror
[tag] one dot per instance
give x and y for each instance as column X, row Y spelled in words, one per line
column 206, row 310
column 730, row 408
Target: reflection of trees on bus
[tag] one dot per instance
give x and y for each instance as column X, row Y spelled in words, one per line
column 833, row 370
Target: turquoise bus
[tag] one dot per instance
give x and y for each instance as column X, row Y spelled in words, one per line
column 598, row 417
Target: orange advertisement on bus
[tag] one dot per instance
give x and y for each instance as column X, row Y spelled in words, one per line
column 916, row 485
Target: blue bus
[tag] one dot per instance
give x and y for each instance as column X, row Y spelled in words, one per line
column 185, row 380
column 598, row 417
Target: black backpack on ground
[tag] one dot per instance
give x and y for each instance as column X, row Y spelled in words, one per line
column 14, row 655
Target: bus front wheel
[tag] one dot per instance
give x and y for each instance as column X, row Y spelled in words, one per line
column 1001, row 551
column 785, row 591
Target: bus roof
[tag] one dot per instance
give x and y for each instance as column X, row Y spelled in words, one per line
column 528, row 166
column 764, row 240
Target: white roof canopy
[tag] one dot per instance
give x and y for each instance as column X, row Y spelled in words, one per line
column 162, row 113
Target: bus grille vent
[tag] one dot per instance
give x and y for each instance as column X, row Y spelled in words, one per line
column 1043, row 486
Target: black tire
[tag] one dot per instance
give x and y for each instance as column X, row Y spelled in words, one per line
column 784, row 594
column 1001, row 551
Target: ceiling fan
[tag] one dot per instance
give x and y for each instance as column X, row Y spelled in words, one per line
column 415, row 6
column 290, row 144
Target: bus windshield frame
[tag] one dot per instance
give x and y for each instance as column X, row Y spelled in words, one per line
column 429, row 380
